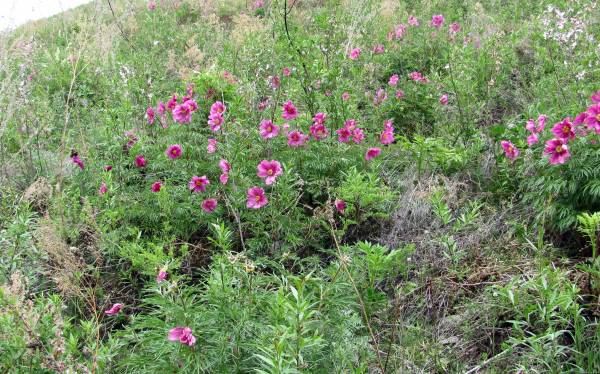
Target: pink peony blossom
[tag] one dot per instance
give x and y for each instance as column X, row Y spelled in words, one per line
column 224, row 178
column 172, row 102
column 225, row 166
column 400, row 31
column 564, row 130
column 256, row 198
column 296, row 139
column 340, row 205
column 173, row 151
column 198, row 184
column 192, row 104
column 378, row 49
column 319, row 118
column 350, row 124
column 344, row 134
column 345, row 96
column 437, row 21
column 103, row 189
column 580, row 119
column 454, row 28
column 140, row 161
column 150, row 115
column 107, row 167
column 595, row 97
column 274, row 82
column 161, row 276
column 289, row 111
column 358, row 135
column 593, row 117
column 156, row 186
column 387, row 137
column 380, row 96
column 354, row 54
column 212, row 145
column 217, row 107
column 209, row 205
column 509, row 149
column 413, row 21
column 530, row 126
column 372, row 153
column 151, row 5
column 215, row 121
column 418, row 77
column 267, row 129
column 77, row 161
column 399, row 94
column 444, row 99
column 558, row 151
column 183, row 335
column 388, row 125
column 319, row 131
column 182, row 113
column 263, row 104
column 394, row 80
column 269, row 170
column 532, row 139
column 286, row 72
column 115, row 309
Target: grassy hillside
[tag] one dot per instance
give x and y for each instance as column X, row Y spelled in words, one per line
column 308, row 186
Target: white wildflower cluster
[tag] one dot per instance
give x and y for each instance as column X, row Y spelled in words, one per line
column 569, row 27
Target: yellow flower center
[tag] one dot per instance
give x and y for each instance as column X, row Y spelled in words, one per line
column 566, row 129
column 199, row 182
column 598, row 117
column 257, row 198
column 559, row 149
column 270, row 172
column 174, row 151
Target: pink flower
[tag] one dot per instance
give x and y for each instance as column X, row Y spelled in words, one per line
column 182, row 113
column 183, row 335
column 593, row 117
column 296, row 139
column 444, row 99
column 399, row 94
column 107, row 167
column 344, row 134
column 161, row 276
column 172, row 102
column 350, row 124
column 192, row 104
column 116, row 308
column 564, row 130
column 413, row 21
column 532, row 139
column 400, row 30
column 173, row 151
column 209, row 205
column 217, row 107
column 103, row 189
column 289, row 111
column 580, row 119
column 378, row 49
column 224, row 178
column 156, row 186
column 558, row 151
column 140, row 161
column 387, row 137
column 437, row 21
column 319, row 131
column 212, row 145
column 354, row 54
column 150, row 115
column 274, row 82
column 189, row 89
column 269, row 170
column 267, row 129
column 151, row 5
column 263, row 104
column 357, row 135
column 345, row 96
column 287, row 71
column 388, row 125
column 319, row 118
column 259, row 4
column 418, row 77
column 454, row 28
column 530, row 126
column 256, row 198
column 216, row 121
column 372, row 153
column 509, row 149
column 77, row 161
column 225, row 166
column 340, row 205
column 394, row 80
column 198, row 184
column 380, row 96
column 541, row 123
column 596, row 97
